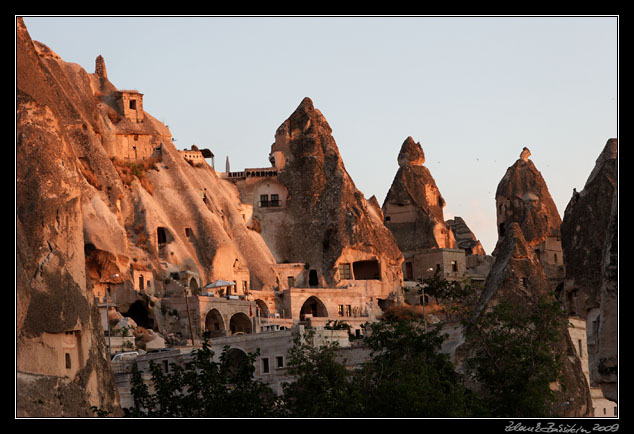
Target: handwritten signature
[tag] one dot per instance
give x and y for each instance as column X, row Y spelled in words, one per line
column 552, row 427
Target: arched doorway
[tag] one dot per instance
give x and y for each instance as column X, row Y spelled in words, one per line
column 262, row 309
column 313, row 306
column 138, row 311
column 240, row 324
column 214, row 324
column 236, row 358
column 193, row 285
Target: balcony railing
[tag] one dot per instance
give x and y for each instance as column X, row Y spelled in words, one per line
column 270, row 203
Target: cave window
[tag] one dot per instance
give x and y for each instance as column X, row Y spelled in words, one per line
column 141, row 281
column 555, row 258
column 161, row 235
column 312, row 278
column 88, row 249
column 502, row 230
column 189, row 233
column 387, row 218
column 366, row 270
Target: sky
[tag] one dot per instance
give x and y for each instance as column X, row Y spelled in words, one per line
column 473, row 90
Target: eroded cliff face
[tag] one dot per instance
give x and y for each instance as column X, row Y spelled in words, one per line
column 61, row 365
column 522, row 197
column 101, row 194
column 518, row 277
column 327, row 219
column 413, row 206
column 590, row 246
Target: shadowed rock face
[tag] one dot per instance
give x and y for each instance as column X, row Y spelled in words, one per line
column 523, row 197
column 414, row 204
column 326, row 214
column 518, row 277
column 584, row 233
column 590, row 247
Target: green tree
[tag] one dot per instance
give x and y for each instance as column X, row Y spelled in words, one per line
column 457, row 298
column 322, row 386
column 514, row 358
column 208, row 388
column 408, row 376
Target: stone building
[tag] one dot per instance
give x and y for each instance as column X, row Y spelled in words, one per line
column 270, row 366
column 602, row 407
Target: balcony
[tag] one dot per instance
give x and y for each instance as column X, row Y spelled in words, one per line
column 270, row 203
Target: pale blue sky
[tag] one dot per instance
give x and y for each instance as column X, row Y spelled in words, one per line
column 472, row 90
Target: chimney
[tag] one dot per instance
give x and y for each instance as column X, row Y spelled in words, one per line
column 100, row 67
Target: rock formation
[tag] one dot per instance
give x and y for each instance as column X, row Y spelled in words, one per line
column 61, row 369
column 465, row 239
column 326, row 219
column 523, row 197
column 413, row 206
column 589, row 241
column 105, row 205
column 518, row 277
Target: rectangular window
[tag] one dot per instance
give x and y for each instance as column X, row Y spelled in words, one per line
column 291, row 281
column 265, row 365
column 454, row 266
column 340, row 309
column 264, row 200
column 245, row 286
column 166, row 366
column 279, row 361
column 344, row 271
column 348, row 310
column 133, row 104
column 67, row 357
column 275, row 200
column 580, row 348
